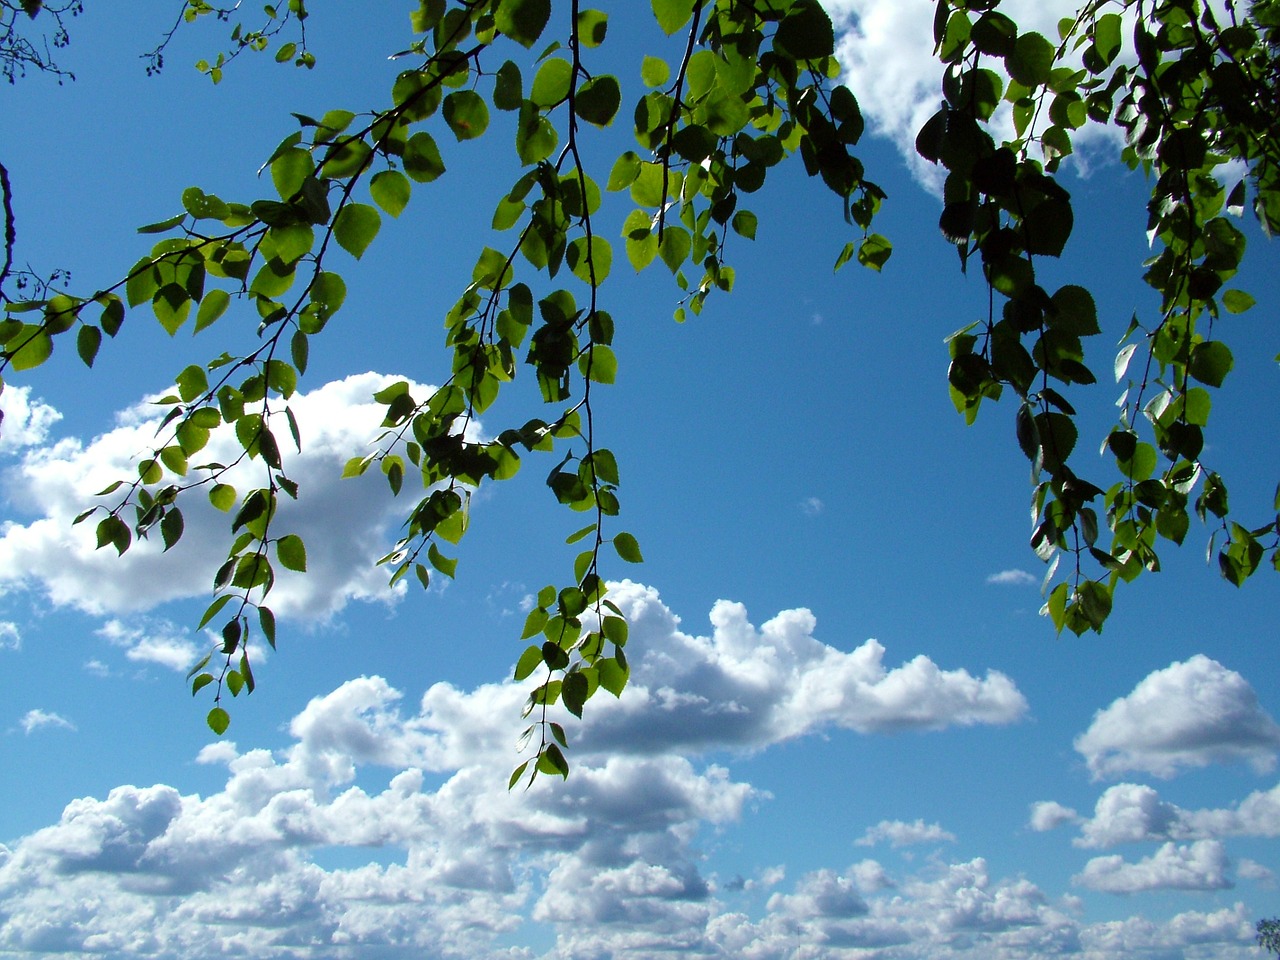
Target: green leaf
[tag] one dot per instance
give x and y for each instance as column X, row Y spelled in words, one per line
column 88, row 340
column 222, row 496
column 654, row 71
column 613, row 675
column 163, row 225
column 391, row 190
column 508, row 87
column 593, row 266
column 674, row 247
column 806, row 32
column 289, row 170
column 355, row 227
column 522, row 20
column 422, row 158
column 292, row 553
column 627, row 547
column 34, row 348
column 874, row 251
column 213, row 306
column 598, row 99
column 574, row 692
column 551, row 84
column 529, row 661
column 672, row 14
column 592, row 26
column 218, row 720
column 536, row 136
column 1237, row 301
column 1211, row 362
column 1031, row 60
column 466, row 113
column 446, row 565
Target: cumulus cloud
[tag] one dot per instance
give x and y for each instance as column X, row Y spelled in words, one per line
column 10, row 636
column 1200, row 866
column 886, row 50
column 899, row 833
column 37, row 719
column 1190, row 714
column 1131, row 813
column 605, row 864
column 746, row 686
column 1048, row 815
column 343, row 522
column 24, row 422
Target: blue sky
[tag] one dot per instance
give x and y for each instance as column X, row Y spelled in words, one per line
column 848, row 733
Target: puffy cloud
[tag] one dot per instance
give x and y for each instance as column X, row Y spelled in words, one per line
column 1131, row 813
column 1230, row 927
column 608, row 863
column 1190, row 714
column 343, row 522
column 747, row 687
column 1199, row 866
column 37, row 719
column 1048, row 815
column 10, row 636
column 886, row 49
column 23, row 422
column 899, row 833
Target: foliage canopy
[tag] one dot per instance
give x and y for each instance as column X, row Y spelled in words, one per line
column 745, row 86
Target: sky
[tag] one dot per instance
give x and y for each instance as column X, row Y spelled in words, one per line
column 848, row 732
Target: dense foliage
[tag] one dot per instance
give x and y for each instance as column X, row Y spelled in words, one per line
column 744, row 87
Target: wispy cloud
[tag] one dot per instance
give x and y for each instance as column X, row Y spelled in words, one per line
column 1015, row 578
column 37, row 719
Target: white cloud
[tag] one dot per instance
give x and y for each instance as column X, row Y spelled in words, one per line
column 1015, row 578
column 24, row 422
column 1131, row 813
column 1230, row 927
column 343, row 522
column 899, row 833
column 1190, row 714
column 748, row 687
column 886, row 49
column 811, row 506
column 1200, row 866
column 1252, row 870
column 160, row 643
column 606, row 863
column 10, row 636
column 37, row 719
column 1048, row 815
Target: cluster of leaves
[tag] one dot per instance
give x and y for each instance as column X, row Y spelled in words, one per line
column 258, row 39
column 20, row 51
column 1269, row 935
column 1196, row 94
column 747, row 86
